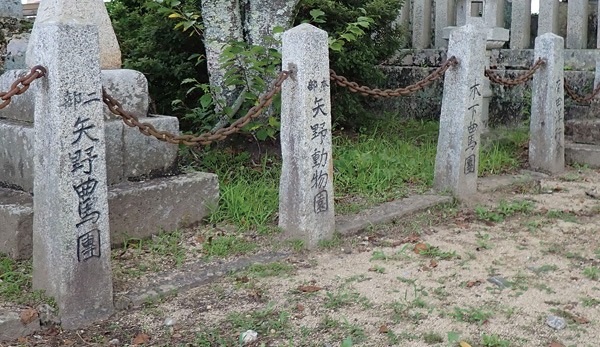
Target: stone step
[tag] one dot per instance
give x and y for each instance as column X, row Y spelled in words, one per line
column 584, row 131
column 129, row 153
column 579, row 153
column 136, row 210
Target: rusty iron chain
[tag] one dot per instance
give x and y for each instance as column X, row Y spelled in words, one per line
column 203, row 139
column 578, row 98
column 36, row 72
column 514, row 82
column 388, row 93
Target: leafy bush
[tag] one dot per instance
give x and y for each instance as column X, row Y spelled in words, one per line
column 358, row 60
column 150, row 44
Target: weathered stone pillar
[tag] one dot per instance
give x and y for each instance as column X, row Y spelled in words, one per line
column 520, row 27
column 457, row 157
column 546, row 145
column 598, row 33
column 306, row 188
column 421, row 25
column 71, row 239
column 548, row 17
column 445, row 16
column 577, row 24
column 92, row 10
column 11, row 8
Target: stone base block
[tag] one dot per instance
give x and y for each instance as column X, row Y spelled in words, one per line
column 129, row 87
column 129, row 153
column 582, row 154
column 584, row 131
column 136, row 210
column 12, row 328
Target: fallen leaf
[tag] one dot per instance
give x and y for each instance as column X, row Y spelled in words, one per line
column 556, row 344
column 558, row 189
column 464, row 344
column 581, row 320
column 244, row 279
column 419, row 247
column 68, row 342
column 300, row 307
column 433, row 263
column 396, row 243
column 200, row 239
column 372, row 269
column 140, row 339
column 462, row 226
column 413, row 238
column 383, row 329
column 28, row 316
column 425, row 268
column 22, row 339
column 573, row 278
column 473, row 283
column 309, row 289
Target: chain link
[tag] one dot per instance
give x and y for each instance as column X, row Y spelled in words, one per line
column 514, row 82
column 36, row 72
column 578, row 98
column 203, row 139
column 388, row 93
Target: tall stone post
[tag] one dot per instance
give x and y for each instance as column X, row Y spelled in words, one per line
column 577, row 24
column 548, row 17
column 71, row 240
column 546, row 145
column 403, row 15
column 598, row 33
column 457, row 157
column 306, row 189
column 445, row 16
column 520, row 26
column 421, row 25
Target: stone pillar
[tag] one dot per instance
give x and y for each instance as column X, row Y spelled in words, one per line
column 89, row 11
column 598, row 34
column 403, row 18
column 548, row 17
column 71, row 239
column 577, row 24
column 520, row 27
column 457, row 157
column 11, row 8
column 546, row 145
column 306, row 188
column 421, row 25
column 445, row 16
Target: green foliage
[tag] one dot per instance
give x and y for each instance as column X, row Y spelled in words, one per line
column 494, row 341
column 354, row 54
column 150, row 45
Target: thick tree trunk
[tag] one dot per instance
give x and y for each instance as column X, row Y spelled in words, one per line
column 223, row 23
column 240, row 20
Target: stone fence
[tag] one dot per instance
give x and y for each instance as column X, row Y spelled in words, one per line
column 431, row 21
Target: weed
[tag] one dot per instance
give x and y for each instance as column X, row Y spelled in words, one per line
column 343, row 298
column 504, row 209
column 471, row 315
column 224, row 246
column 432, row 337
column 435, row 252
column 295, row 244
column 335, row 241
column 494, row 341
column 266, row 270
column 590, row 302
column 378, row 269
column 262, row 321
column 592, row 273
column 483, row 240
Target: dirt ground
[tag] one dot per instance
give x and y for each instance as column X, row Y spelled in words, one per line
column 421, row 281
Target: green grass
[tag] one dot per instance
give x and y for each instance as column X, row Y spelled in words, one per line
column 225, row 246
column 388, row 159
column 15, row 283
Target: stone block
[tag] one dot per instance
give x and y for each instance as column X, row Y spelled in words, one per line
column 457, row 157
column 129, row 154
column 15, row 52
column 145, row 155
column 16, row 224
column 83, row 11
column 585, row 131
column 306, row 208
column 12, row 328
column 546, row 146
column 11, row 8
column 421, row 24
column 136, row 209
column 582, row 154
column 129, row 87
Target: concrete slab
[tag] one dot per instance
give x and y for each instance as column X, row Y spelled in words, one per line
column 11, row 326
column 582, row 154
column 136, row 209
column 387, row 212
column 129, row 153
